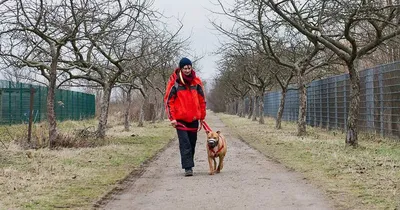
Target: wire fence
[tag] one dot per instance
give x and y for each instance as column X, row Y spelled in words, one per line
column 15, row 101
column 328, row 101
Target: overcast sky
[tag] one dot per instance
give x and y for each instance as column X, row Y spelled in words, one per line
column 194, row 15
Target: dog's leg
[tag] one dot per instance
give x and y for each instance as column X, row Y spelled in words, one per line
column 211, row 165
column 221, row 163
column 215, row 163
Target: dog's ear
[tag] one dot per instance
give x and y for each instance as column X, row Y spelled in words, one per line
column 207, row 132
column 218, row 132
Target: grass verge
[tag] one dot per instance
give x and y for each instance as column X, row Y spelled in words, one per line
column 76, row 178
column 367, row 177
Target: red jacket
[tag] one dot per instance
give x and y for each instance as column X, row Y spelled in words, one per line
column 185, row 102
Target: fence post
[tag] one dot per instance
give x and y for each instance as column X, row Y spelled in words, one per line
column 345, row 104
column 308, row 106
column 336, row 107
column 60, row 105
column 327, row 103
column 31, row 101
column 320, row 104
column 9, row 103
column 369, row 98
column 84, row 101
column 71, row 104
column 380, row 83
column 67, row 104
column 40, row 104
column 21, row 119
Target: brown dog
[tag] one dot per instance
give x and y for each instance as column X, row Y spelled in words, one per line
column 216, row 147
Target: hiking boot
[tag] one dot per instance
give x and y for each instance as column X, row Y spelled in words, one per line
column 188, row 172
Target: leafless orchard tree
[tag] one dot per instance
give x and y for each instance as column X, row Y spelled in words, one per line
column 128, row 103
column 259, row 79
column 217, row 99
column 230, row 82
column 302, row 57
column 283, row 77
column 351, row 29
column 292, row 50
column 171, row 48
column 277, row 41
column 245, row 65
column 34, row 34
column 149, row 72
column 112, row 35
column 148, row 87
column 144, row 88
column 14, row 74
column 227, row 87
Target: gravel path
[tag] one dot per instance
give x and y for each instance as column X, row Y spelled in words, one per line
column 248, row 181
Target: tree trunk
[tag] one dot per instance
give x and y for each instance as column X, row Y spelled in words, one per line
column 155, row 113
column 141, row 114
column 236, row 108
column 261, row 108
column 278, row 124
column 127, row 109
column 352, row 119
column 152, row 111
column 103, row 117
column 51, row 114
column 239, row 108
column 250, row 107
column 162, row 111
column 255, row 101
column 155, row 110
column 243, row 107
column 301, row 120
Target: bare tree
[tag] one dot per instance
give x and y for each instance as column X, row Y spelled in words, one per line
column 283, row 77
column 351, row 29
column 112, row 35
column 276, row 41
column 146, row 71
column 230, row 80
column 259, row 79
column 34, row 35
column 15, row 74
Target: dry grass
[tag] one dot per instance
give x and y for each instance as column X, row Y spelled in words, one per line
column 75, row 178
column 364, row 178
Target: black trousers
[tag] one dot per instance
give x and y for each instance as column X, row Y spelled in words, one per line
column 187, row 144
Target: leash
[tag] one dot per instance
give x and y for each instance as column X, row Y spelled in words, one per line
column 183, row 127
column 206, row 127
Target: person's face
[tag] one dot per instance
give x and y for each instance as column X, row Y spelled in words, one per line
column 186, row 70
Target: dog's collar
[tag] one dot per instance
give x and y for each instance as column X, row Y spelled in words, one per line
column 215, row 152
column 219, row 150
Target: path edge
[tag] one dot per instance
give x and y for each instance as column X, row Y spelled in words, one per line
column 130, row 179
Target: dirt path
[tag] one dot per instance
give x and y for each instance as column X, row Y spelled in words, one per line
column 248, row 181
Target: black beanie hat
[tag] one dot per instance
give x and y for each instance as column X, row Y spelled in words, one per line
column 184, row 61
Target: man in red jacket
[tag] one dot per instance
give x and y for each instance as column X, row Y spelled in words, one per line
column 185, row 105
